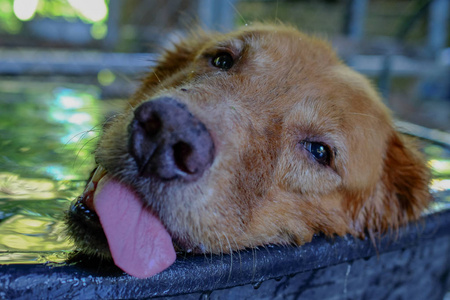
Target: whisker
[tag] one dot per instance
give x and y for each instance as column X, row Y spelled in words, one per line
column 205, row 255
column 276, row 11
column 83, row 162
column 238, row 252
column 231, row 257
column 237, row 12
column 82, row 133
column 220, row 244
column 159, row 80
column 254, row 262
column 107, row 120
column 131, row 106
column 211, row 253
column 81, row 148
column 267, row 249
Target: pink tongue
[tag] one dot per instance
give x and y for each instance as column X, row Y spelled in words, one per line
column 139, row 243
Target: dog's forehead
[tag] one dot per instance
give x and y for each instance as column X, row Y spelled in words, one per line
column 284, row 43
column 338, row 96
column 301, row 73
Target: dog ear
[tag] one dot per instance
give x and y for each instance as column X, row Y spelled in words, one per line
column 401, row 194
column 403, row 187
column 406, row 177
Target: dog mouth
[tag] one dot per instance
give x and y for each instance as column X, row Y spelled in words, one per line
column 138, row 242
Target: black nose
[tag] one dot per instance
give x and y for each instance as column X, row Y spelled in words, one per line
column 168, row 142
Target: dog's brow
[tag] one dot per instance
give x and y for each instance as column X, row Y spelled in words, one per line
column 235, row 45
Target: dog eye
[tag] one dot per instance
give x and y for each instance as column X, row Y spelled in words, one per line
column 223, row 61
column 319, row 151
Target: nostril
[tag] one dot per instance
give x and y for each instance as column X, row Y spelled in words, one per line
column 153, row 124
column 181, row 153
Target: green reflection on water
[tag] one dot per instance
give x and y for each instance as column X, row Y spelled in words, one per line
column 439, row 162
column 46, row 144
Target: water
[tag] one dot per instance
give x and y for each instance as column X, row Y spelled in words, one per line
column 47, row 135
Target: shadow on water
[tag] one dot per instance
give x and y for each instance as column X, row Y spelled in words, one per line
column 47, row 134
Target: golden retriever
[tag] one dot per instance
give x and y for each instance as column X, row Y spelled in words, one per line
column 260, row 136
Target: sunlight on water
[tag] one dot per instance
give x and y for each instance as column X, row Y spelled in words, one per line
column 441, row 166
column 440, row 185
column 439, row 162
column 47, row 134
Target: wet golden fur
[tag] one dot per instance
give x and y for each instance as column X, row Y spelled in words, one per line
column 263, row 186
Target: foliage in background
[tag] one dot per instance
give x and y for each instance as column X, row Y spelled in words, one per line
column 14, row 12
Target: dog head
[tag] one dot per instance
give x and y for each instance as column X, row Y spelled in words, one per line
column 238, row 140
